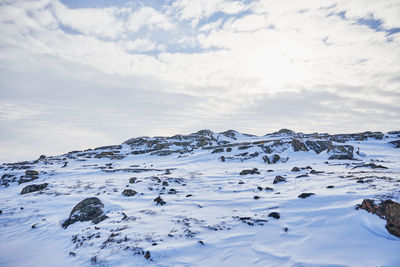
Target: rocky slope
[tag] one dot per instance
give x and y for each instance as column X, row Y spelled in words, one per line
column 207, row 199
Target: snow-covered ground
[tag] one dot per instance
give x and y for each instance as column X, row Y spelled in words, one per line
column 213, row 215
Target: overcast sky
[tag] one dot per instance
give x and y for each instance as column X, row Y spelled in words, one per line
column 80, row 74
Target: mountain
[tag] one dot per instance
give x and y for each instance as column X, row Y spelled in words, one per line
column 208, row 199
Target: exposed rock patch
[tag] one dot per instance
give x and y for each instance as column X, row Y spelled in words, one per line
column 86, row 210
column 388, row 210
column 33, row 188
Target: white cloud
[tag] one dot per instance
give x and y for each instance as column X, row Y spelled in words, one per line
column 150, row 18
column 239, row 65
column 101, row 22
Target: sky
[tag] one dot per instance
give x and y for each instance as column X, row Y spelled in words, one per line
column 79, row 74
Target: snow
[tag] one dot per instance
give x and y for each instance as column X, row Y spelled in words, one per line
column 323, row 230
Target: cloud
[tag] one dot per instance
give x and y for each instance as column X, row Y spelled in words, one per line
column 122, row 70
column 150, row 18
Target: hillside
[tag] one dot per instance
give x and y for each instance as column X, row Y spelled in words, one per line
column 208, row 199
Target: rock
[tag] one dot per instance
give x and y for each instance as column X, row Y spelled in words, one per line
column 218, row 150
column 99, row 219
column 104, row 154
column 275, row 215
column 286, row 131
column 302, row 175
column 259, row 188
column 252, row 171
column 159, row 201
column 395, row 143
column 86, row 210
column 330, row 186
column 389, row 210
column 298, row 145
column 222, row 158
column 31, row 173
column 272, row 159
column 318, row 146
column 132, row 180
column 256, row 197
column 244, row 147
column 165, row 183
column 228, row 149
column 341, row 152
column 279, row 179
column 268, row 189
column 33, row 188
column 316, row 172
column 147, row 255
column 295, row 169
column 370, row 165
column 129, row 192
column 305, row 195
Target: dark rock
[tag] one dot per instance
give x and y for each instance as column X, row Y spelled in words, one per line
column 172, row 191
column 165, row 183
column 272, row 159
column 228, row 149
column 33, row 188
column 99, row 219
column 286, row 131
column 104, row 154
column 189, row 195
column 129, row 192
column 1, row 211
column 341, row 152
column 295, row 169
column 201, row 242
column 147, row 255
column 218, row 150
column 285, row 229
column 132, row 180
column 305, row 195
column 388, row 210
column 256, row 197
column 86, row 210
column 252, row 171
column 302, row 175
column 222, row 158
column 269, row 189
column 275, row 215
column 259, row 188
column 241, row 182
column 395, row 143
column 72, row 253
column 370, row 165
column 279, row 179
column 360, row 181
column 159, row 201
column 31, row 173
column 316, row 172
column 298, row 145
column 330, row 186
column 318, row 146
column 244, row 147
column 42, row 157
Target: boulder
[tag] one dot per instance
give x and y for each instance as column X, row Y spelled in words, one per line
column 295, row 169
column 33, row 188
column 129, row 192
column 279, row 179
column 395, row 143
column 389, row 210
column 272, row 159
column 252, row 171
column 319, row 146
column 218, row 150
column 87, row 210
column 275, row 215
column 305, row 195
column 298, row 145
column 341, row 152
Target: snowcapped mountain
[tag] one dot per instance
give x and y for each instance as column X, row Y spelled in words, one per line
column 208, row 199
